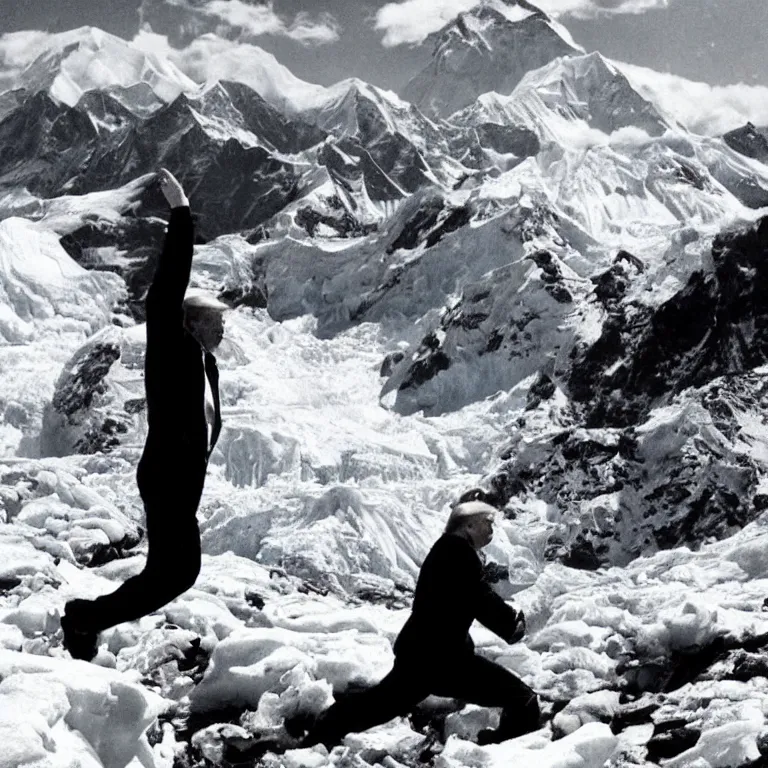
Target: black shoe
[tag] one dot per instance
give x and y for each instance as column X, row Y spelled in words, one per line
column 81, row 644
column 487, row 736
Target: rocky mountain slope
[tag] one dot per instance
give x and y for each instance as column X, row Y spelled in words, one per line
column 520, row 280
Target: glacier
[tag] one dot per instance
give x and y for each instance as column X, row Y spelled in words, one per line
column 527, row 278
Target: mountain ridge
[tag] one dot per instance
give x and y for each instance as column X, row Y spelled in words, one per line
column 486, row 49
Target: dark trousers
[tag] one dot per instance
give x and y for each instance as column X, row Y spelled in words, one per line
column 470, row 678
column 170, row 501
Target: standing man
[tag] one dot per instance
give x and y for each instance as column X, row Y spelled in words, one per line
column 434, row 653
column 184, row 421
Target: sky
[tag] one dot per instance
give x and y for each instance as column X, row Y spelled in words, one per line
column 714, row 41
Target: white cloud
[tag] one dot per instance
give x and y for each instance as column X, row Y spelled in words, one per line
column 583, row 9
column 706, row 109
column 17, row 51
column 409, row 22
column 251, row 21
column 412, row 21
column 325, row 30
column 210, row 58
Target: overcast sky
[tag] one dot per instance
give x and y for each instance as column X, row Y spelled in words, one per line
column 715, row 41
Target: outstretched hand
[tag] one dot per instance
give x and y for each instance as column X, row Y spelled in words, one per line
column 173, row 191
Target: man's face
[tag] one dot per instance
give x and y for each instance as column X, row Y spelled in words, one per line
column 207, row 326
column 481, row 530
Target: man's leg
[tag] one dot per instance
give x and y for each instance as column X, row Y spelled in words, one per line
column 173, row 564
column 395, row 695
column 480, row 681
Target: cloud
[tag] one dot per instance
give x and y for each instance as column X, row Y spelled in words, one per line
column 236, row 19
column 710, row 110
column 259, row 20
column 209, row 58
column 409, row 22
column 586, row 9
column 17, row 51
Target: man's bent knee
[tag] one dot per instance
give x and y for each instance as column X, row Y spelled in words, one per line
column 169, row 577
column 186, row 573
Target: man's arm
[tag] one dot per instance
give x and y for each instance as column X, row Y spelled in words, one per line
column 494, row 613
column 169, row 284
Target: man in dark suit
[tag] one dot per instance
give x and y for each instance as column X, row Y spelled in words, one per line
column 434, row 653
column 184, row 421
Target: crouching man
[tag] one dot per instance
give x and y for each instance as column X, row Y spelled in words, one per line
column 434, row 653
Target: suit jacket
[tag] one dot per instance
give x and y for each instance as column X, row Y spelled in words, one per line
column 451, row 593
column 175, row 364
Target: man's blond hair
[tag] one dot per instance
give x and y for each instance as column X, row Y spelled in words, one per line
column 196, row 299
column 466, row 510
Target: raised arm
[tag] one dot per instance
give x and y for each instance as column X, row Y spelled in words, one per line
column 169, row 284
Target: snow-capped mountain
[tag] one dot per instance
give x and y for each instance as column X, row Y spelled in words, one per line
column 88, row 58
column 489, row 48
column 555, row 301
column 750, row 141
column 383, row 136
column 587, row 89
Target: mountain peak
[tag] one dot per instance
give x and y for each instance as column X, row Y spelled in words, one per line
column 88, row 58
column 489, row 48
column 562, row 99
column 593, row 89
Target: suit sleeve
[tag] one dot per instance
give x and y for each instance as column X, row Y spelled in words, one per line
column 166, row 294
column 450, row 577
column 494, row 613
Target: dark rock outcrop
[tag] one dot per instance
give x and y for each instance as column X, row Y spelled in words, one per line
column 84, row 416
column 749, row 141
column 670, row 738
column 508, row 139
column 717, row 325
column 430, row 224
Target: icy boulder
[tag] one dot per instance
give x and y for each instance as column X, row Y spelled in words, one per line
column 49, row 507
column 724, row 746
column 600, row 707
column 588, row 747
column 252, row 662
column 93, row 716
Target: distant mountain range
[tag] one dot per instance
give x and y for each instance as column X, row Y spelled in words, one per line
column 530, row 216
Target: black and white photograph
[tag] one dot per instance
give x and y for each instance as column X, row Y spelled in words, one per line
column 383, row 384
